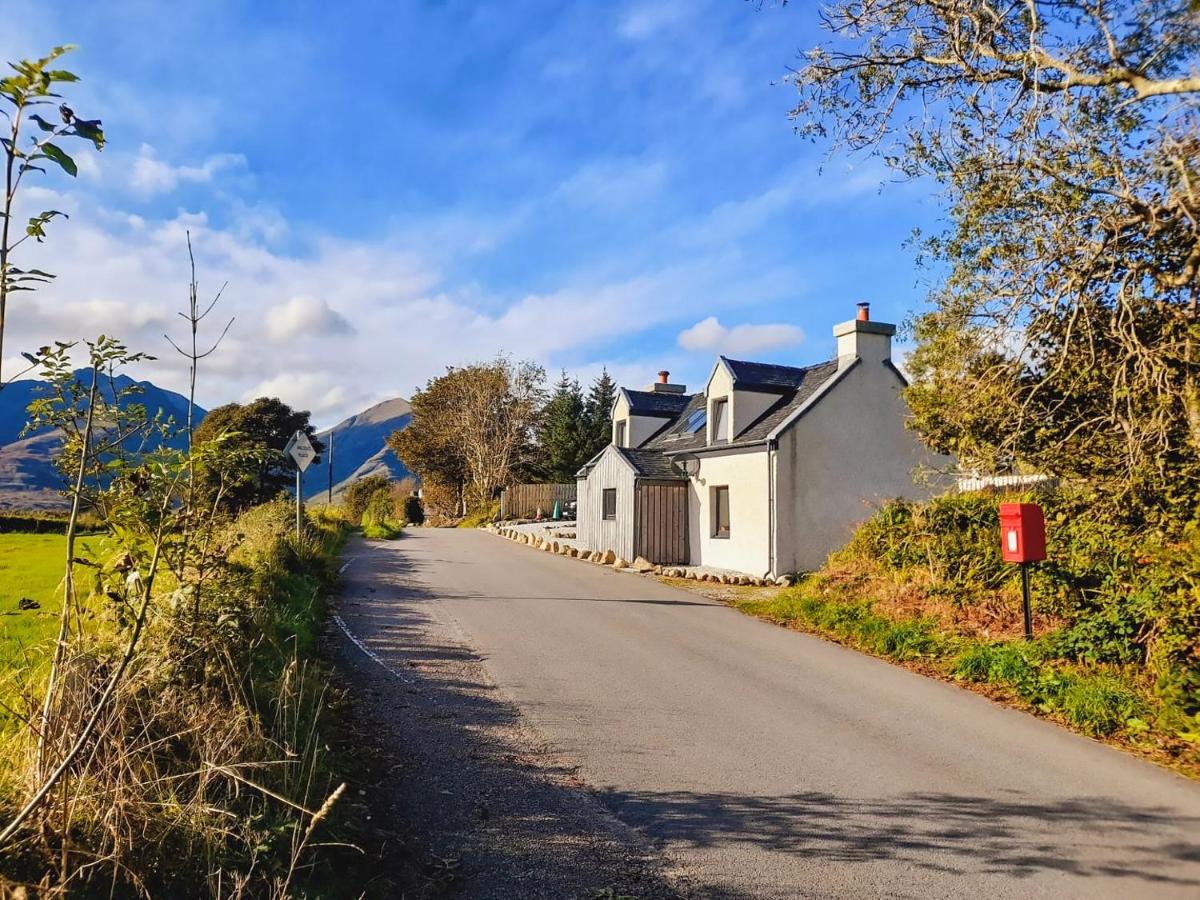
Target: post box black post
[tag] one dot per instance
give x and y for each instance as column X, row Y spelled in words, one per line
column 1023, row 541
column 1028, row 610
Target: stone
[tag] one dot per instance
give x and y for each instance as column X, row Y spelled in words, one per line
column 554, row 545
column 609, row 557
column 619, row 563
column 643, row 565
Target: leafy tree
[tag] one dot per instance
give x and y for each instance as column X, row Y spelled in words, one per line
column 598, row 414
column 258, row 433
column 1065, row 135
column 472, row 430
column 360, row 492
column 563, row 433
column 30, row 87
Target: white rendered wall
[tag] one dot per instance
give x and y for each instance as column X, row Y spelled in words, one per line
column 747, row 547
column 844, row 457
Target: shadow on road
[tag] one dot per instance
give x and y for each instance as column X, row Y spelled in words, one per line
column 942, row 832
column 480, row 784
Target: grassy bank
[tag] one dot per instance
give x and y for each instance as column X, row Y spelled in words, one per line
column 220, row 772
column 1116, row 617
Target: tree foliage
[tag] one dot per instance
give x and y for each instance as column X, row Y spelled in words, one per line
column 23, row 95
column 598, row 414
column 1065, row 134
column 472, row 431
column 257, row 433
column 563, row 432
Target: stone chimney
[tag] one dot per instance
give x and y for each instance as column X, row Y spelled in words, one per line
column 860, row 338
column 664, row 386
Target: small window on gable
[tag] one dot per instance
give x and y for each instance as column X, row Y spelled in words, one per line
column 620, row 438
column 720, row 415
column 696, row 421
column 610, row 503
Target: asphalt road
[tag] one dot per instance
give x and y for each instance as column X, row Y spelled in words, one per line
column 766, row 763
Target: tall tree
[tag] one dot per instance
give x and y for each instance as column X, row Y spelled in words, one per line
column 598, row 414
column 23, row 96
column 474, row 426
column 257, row 433
column 1065, row 134
column 563, row 433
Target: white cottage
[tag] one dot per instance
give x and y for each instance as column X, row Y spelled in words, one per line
column 766, row 470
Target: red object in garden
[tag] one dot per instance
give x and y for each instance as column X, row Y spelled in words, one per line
column 1022, row 533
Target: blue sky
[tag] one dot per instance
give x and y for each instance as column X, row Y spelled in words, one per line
column 393, row 187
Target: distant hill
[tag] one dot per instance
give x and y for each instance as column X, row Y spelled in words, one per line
column 28, row 477
column 360, row 448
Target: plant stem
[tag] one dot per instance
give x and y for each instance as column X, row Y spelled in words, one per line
column 69, row 578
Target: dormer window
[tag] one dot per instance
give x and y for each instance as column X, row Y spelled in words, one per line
column 619, row 439
column 696, row 421
column 720, row 417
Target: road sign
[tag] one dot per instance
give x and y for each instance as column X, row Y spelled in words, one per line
column 300, row 449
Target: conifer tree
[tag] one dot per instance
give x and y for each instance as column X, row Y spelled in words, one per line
column 598, row 414
column 563, row 434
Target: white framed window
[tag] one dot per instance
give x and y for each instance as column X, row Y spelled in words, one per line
column 619, row 438
column 720, row 420
column 720, row 511
column 609, row 503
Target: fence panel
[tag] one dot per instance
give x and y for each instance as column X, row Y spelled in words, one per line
column 522, row 501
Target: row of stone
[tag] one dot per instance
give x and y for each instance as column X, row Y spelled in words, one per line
column 641, row 564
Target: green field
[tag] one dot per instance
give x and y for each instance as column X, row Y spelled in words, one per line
column 31, row 565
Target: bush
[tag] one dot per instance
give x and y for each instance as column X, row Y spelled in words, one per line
column 377, row 520
column 358, row 495
column 484, row 514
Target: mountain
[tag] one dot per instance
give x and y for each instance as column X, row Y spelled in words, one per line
column 28, row 477
column 360, row 448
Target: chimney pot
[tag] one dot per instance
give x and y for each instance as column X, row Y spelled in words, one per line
column 864, row 312
column 664, row 377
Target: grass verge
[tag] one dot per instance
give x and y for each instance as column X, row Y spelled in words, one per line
column 1113, row 703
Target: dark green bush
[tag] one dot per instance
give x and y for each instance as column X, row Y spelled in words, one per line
column 1124, row 597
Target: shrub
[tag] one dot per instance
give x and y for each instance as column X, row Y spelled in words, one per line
column 377, row 520
column 359, row 494
column 484, row 514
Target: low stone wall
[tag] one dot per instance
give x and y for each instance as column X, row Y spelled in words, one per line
column 549, row 544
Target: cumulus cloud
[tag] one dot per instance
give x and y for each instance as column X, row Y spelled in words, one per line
column 305, row 316
column 710, row 334
column 151, row 175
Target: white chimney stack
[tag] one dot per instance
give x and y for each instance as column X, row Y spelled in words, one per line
column 860, row 338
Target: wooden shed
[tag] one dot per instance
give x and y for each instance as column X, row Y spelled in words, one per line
column 634, row 502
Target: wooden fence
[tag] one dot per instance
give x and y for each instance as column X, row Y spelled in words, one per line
column 522, row 501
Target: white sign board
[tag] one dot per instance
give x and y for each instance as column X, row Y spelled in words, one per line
column 300, row 449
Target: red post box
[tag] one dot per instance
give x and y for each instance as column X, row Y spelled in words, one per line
column 1022, row 533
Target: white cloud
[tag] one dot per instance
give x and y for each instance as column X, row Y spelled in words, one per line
column 647, row 18
column 614, row 184
column 710, row 334
column 150, row 175
column 305, row 316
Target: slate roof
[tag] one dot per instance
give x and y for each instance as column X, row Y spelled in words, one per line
column 651, row 463
column 794, row 385
column 656, row 403
column 765, row 376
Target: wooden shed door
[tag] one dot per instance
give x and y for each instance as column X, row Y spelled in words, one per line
column 660, row 512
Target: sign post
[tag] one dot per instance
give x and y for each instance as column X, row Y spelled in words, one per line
column 1023, row 540
column 302, row 452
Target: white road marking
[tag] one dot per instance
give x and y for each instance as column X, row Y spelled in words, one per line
column 371, row 654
